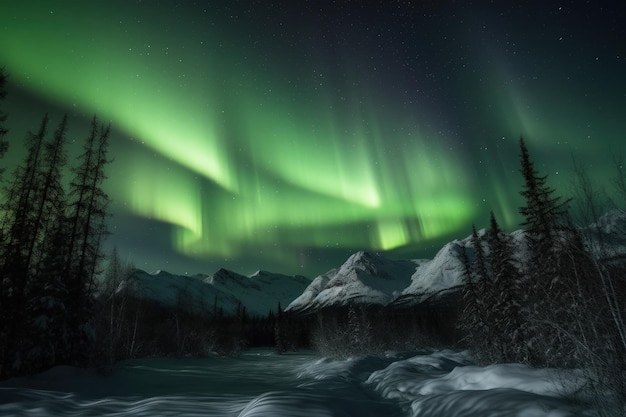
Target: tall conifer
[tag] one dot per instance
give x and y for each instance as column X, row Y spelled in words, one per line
column 545, row 214
column 20, row 229
column 545, row 222
column 47, row 288
column 87, row 229
column 505, row 294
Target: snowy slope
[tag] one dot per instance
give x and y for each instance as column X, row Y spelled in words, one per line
column 261, row 291
column 172, row 290
column 226, row 290
column 305, row 300
column 365, row 278
column 608, row 234
column 443, row 272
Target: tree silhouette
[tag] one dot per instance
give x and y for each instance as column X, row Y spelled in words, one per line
column 545, row 215
column 545, row 222
column 20, row 230
column 505, row 295
column 46, row 290
column 87, row 228
column 472, row 319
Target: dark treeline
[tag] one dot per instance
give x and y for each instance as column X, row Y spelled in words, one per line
column 360, row 330
column 131, row 327
column 50, row 246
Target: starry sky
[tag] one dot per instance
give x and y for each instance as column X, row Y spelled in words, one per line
column 287, row 135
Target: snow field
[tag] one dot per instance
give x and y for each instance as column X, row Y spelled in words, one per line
column 261, row 383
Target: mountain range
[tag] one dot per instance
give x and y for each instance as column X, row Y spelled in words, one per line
column 224, row 291
column 364, row 278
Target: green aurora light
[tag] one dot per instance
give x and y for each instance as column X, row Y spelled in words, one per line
column 242, row 149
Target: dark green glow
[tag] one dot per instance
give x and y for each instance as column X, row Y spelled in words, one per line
column 239, row 152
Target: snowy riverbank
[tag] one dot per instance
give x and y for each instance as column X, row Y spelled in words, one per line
column 261, row 383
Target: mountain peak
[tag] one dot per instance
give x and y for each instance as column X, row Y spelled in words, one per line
column 364, row 278
column 363, row 256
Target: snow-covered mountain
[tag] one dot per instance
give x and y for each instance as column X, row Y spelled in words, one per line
column 368, row 278
column 172, row 290
column 442, row 274
column 605, row 237
column 261, row 291
column 226, row 290
column 365, row 278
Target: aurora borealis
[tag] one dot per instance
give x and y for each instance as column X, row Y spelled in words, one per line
column 287, row 135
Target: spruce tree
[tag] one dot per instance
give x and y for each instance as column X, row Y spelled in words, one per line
column 20, row 230
column 483, row 279
column 47, row 290
column 507, row 319
column 477, row 320
column 471, row 320
column 279, row 329
column 87, row 212
column 484, row 291
column 48, row 328
column 50, row 205
column 545, row 220
column 19, row 209
column 545, row 215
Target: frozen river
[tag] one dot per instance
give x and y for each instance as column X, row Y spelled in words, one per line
column 261, row 383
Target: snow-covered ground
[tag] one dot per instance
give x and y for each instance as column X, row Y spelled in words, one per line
column 261, row 383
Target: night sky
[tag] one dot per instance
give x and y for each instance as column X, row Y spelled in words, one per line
column 287, row 135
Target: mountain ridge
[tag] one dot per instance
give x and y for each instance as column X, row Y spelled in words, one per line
column 364, row 278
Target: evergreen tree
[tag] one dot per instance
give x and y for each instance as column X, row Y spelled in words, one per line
column 507, row 320
column 483, row 283
column 19, row 219
column 46, row 288
column 87, row 229
column 471, row 320
column 545, row 215
column 20, row 230
column 279, row 330
column 49, row 209
column 545, row 285
column 49, row 329
column 544, row 212
column 50, row 247
column 483, row 279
